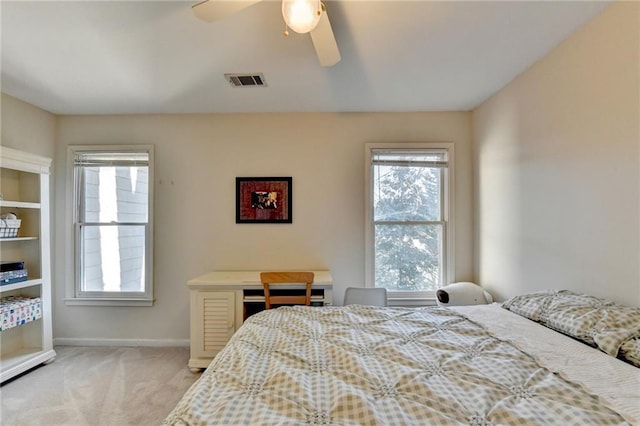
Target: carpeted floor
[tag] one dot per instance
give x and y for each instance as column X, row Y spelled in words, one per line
column 99, row 386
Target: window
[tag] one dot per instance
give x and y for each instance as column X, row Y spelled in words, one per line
column 112, row 224
column 409, row 247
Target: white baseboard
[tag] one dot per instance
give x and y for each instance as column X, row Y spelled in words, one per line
column 157, row 343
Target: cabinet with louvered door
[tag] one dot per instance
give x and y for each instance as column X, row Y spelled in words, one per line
column 221, row 301
column 214, row 314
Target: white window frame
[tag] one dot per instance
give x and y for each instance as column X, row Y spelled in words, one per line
column 448, row 254
column 74, row 294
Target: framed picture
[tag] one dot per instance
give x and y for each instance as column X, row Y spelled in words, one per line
column 263, row 200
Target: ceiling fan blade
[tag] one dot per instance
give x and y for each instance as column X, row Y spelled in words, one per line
column 213, row 10
column 325, row 42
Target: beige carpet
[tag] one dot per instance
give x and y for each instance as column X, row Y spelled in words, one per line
column 99, row 386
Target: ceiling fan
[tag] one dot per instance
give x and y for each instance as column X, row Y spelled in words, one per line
column 302, row 16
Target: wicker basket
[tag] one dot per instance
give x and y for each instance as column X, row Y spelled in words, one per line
column 9, row 228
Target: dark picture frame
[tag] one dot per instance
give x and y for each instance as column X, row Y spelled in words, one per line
column 264, row 200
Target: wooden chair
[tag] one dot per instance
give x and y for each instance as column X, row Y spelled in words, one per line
column 270, row 278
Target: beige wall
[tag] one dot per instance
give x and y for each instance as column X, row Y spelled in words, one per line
column 26, row 127
column 197, row 160
column 556, row 162
column 556, row 184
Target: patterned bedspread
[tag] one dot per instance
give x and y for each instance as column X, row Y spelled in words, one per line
column 362, row 365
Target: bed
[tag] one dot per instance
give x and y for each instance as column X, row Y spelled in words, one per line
column 364, row 365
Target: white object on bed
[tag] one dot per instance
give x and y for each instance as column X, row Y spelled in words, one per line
column 461, row 294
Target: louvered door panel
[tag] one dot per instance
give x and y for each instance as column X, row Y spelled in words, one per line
column 217, row 311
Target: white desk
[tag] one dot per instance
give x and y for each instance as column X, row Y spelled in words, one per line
column 218, row 306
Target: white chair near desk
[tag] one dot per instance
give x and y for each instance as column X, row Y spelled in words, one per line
column 365, row 296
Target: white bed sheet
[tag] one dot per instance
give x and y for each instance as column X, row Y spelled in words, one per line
column 614, row 381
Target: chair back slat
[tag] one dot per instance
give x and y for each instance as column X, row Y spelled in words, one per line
column 274, row 278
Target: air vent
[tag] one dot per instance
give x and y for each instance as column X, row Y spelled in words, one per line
column 246, row 80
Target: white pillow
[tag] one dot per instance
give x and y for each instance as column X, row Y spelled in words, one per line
column 461, row 294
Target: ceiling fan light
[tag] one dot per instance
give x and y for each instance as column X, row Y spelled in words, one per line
column 301, row 16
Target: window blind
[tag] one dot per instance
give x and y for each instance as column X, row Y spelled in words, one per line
column 111, row 159
column 409, row 158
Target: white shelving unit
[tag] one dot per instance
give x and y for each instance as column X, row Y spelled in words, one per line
column 24, row 185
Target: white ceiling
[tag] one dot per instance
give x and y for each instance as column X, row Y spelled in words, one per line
column 88, row 57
